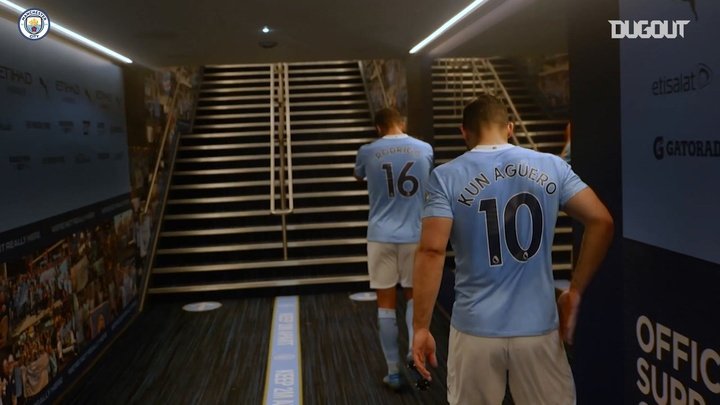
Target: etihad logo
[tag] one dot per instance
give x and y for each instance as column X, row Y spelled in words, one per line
column 683, row 148
column 15, row 76
column 647, row 29
column 684, row 82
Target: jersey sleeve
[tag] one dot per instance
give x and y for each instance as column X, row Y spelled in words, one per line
column 571, row 183
column 437, row 201
column 430, row 157
column 360, row 163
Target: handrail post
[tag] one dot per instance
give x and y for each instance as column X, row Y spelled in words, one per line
column 280, row 97
column 281, row 144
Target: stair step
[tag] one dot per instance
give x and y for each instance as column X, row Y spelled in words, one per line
column 255, row 229
column 260, row 97
column 237, row 81
column 261, row 265
column 265, row 115
column 323, row 78
column 246, row 198
column 234, row 107
column 265, row 72
column 248, row 285
column 243, row 66
column 296, row 72
column 295, row 65
column 238, row 89
column 526, row 122
column 240, row 146
column 218, row 159
column 240, row 184
column 297, row 88
column 257, row 213
column 209, row 172
column 262, row 246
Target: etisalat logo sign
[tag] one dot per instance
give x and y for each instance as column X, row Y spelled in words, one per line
column 688, row 81
column 647, row 29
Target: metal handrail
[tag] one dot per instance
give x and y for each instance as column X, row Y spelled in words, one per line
column 516, row 116
column 366, row 86
column 155, row 238
column 158, row 161
column 477, row 75
column 378, row 74
column 284, row 135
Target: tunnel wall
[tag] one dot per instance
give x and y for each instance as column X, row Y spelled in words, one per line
column 654, row 302
column 79, row 136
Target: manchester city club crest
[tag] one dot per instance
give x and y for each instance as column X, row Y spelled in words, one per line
column 34, row 24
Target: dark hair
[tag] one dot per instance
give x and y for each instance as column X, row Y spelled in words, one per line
column 484, row 110
column 386, row 118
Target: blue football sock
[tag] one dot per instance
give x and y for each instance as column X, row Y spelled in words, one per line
column 409, row 322
column 387, row 324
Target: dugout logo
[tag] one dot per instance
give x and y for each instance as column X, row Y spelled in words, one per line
column 684, row 82
column 34, row 24
column 647, row 29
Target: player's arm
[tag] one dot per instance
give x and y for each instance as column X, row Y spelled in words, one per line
column 586, row 208
column 359, row 170
column 427, row 275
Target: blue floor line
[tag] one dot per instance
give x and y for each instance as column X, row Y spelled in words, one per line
column 283, row 383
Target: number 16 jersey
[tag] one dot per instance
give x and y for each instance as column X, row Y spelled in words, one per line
column 396, row 168
column 504, row 202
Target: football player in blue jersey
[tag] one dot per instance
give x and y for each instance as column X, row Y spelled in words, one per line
column 497, row 204
column 395, row 166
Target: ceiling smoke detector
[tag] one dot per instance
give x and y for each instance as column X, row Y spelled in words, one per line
column 267, row 43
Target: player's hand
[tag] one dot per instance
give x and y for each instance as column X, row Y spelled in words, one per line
column 424, row 349
column 568, row 306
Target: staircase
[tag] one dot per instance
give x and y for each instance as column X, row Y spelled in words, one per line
column 456, row 82
column 218, row 232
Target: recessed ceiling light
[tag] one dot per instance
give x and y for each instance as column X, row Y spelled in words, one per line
column 447, row 25
column 71, row 34
column 265, row 30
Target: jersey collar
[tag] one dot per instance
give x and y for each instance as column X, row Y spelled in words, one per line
column 492, row 148
column 397, row 136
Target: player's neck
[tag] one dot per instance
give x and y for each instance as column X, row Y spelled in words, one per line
column 491, row 141
column 394, row 131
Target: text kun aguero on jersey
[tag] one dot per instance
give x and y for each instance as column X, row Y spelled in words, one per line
column 511, row 170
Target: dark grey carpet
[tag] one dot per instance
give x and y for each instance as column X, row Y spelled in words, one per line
column 168, row 356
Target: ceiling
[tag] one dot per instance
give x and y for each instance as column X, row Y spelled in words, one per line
column 194, row 32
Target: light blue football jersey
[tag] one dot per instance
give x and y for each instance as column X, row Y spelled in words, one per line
column 504, row 203
column 396, row 168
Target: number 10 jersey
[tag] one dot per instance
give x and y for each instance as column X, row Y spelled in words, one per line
column 504, row 201
column 396, row 168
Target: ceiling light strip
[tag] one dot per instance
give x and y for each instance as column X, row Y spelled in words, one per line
column 447, row 25
column 72, row 35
